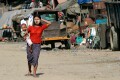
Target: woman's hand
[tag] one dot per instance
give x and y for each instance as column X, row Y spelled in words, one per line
column 26, row 34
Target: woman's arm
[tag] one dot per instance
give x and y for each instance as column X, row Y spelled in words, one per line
column 48, row 22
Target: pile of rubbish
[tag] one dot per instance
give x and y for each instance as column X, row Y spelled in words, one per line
column 82, row 28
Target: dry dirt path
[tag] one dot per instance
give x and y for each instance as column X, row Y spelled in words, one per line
column 79, row 64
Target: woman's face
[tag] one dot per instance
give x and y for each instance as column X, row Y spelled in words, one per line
column 37, row 20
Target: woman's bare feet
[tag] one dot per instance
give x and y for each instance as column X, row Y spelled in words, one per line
column 36, row 76
column 34, row 71
column 29, row 70
column 28, row 74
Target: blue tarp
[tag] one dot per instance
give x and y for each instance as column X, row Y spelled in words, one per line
column 87, row 1
column 97, row 0
column 84, row 1
column 101, row 21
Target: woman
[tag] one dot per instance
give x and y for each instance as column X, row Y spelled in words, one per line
column 35, row 32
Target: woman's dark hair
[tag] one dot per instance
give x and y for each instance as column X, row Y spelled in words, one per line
column 38, row 17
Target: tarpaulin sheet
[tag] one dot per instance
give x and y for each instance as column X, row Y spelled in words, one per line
column 7, row 18
column 87, row 1
column 97, row 0
column 84, row 1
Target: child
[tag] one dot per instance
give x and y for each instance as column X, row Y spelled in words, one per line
column 25, row 35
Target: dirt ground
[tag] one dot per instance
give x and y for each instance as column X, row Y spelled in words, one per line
column 60, row 64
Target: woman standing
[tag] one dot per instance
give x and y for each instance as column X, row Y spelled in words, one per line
column 35, row 32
